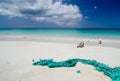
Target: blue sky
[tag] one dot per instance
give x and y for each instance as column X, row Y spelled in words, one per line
column 59, row 14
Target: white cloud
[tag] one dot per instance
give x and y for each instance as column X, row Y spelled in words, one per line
column 42, row 10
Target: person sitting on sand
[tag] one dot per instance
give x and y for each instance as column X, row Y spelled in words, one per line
column 81, row 45
column 100, row 41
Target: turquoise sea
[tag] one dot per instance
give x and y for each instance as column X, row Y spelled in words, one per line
column 65, row 32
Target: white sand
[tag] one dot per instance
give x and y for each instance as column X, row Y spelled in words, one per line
column 16, row 61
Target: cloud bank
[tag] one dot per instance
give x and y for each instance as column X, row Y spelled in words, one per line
column 53, row 11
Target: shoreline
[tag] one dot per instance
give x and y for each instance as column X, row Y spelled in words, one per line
column 88, row 41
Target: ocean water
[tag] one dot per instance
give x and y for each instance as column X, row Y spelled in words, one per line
column 64, row 32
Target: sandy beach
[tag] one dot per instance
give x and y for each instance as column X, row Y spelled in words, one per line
column 16, row 60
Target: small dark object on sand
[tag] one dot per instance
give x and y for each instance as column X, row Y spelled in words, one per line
column 78, row 71
column 100, row 41
column 81, row 45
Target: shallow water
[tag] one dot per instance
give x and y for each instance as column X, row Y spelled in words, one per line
column 65, row 32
